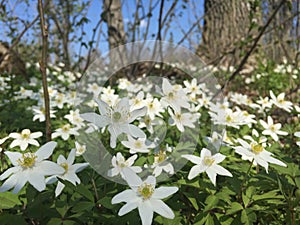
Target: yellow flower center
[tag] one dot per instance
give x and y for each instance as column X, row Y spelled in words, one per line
column 171, row 95
column 122, row 164
column 151, row 106
column 147, row 120
column 208, row 161
column 146, row 190
column 66, row 128
column 281, row 101
column 27, row 160
column 138, row 144
column 65, row 166
column 160, row 157
column 25, row 136
column 228, row 119
column 116, row 116
column 256, row 148
column 272, row 128
column 178, row 116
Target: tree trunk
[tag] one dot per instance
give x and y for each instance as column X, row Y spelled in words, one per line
column 114, row 19
column 226, row 26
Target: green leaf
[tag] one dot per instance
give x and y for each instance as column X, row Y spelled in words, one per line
column 82, row 190
column 211, row 202
column 248, row 217
column 269, row 195
column 83, row 206
column 235, row 207
column 194, row 202
column 8, row 219
column 247, row 197
column 106, row 202
column 8, row 200
column 55, row 221
column 209, row 220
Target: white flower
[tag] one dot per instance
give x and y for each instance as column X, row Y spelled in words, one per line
column 117, row 118
column 207, row 163
column 192, row 87
column 39, row 113
column 154, row 107
column 272, row 129
column 264, row 103
column 176, row 98
column 136, row 102
column 181, row 120
column 30, row 167
column 80, row 149
column 144, row 196
column 120, row 165
column 137, row 145
column 233, row 119
column 109, row 97
column 217, row 140
column 2, row 141
column 161, row 164
column 280, row 102
column 65, row 131
column 204, row 100
column 94, row 88
column 70, row 171
column 25, row 138
column 74, row 118
column 146, row 121
column 256, row 152
column 59, row 100
column 297, row 134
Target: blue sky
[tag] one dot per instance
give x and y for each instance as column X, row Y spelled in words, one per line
column 184, row 19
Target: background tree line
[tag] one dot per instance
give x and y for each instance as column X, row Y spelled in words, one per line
column 220, row 32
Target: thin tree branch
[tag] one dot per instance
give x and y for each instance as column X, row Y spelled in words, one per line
column 17, row 40
column 43, row 66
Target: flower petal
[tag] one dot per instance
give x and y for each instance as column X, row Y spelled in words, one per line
column 45, row 151
column 212, row 175
column 124, row 196
column 71, row 157
column 137, row 113
column 13, row 157
column 221, row 170
column 195, row 170
column 151, row 180
column 194, row 159
column 127, row 208
column 9, row 171
column 136, row 131
column 48, row 168
column 37, row 180
column 162, row 208
column 98, row 120
column 60, row 186
column 146, row 213
column 164, row 192
column 103, row 106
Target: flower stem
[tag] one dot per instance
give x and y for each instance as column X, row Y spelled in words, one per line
column 245, row 178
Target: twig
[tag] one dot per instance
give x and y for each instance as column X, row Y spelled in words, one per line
column 88, row 60
column 256, row 40
column 43, row 66
column 17, row 40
